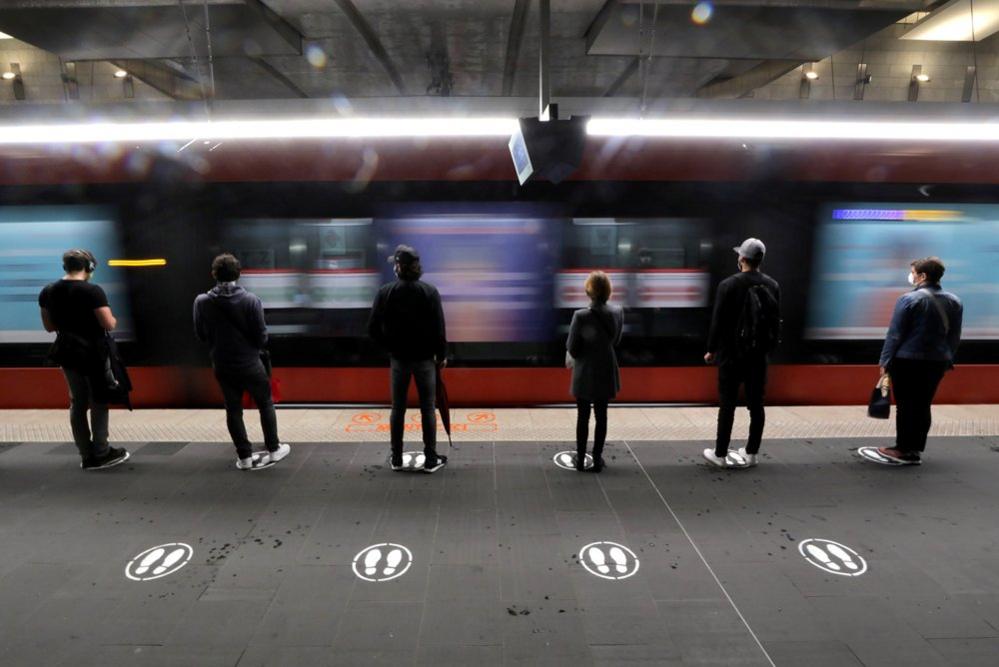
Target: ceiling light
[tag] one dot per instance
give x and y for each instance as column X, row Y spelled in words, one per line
column 791, row 129
column 9, row 75
column 922, row 78
column 811, row 75
column 953, row 22
column 4, row 35
column 334, row 128
column 120, row 74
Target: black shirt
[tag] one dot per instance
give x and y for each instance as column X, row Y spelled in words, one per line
column 408, row 319
column 729, row 302
column 71, row 305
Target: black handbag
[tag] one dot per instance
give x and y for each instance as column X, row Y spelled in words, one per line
column 879, row 406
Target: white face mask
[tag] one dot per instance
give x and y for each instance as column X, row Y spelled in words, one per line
column 912, row 279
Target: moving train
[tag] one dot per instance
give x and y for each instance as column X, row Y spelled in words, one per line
column 313, row 223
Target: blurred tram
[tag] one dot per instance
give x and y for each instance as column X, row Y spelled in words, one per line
column 313, row 224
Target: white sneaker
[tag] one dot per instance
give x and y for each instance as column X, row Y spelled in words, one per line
column 254, row 462
column 282, row 451
column 732, row 460
column 750, row 459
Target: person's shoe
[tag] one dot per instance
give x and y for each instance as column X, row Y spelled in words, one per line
column 114, row 456
column 900, row 458
column 256, row 461
column 730, row 460
column 598, row 465
column 396, row 463
column 282, row 451
column 579, row 462
column 750, row 459
column 435, row 465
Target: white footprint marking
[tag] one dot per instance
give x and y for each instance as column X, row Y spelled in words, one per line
column 566, row 459
column 597, row 558
column 392, row 562
column 419, row 460
column 822, row 557
column 843, row 556
column 148, row 561
column 371, row 561
column 169, row 561
column 620, row 560
column 407, row 459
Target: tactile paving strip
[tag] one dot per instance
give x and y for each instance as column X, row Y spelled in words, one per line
column 485, row 425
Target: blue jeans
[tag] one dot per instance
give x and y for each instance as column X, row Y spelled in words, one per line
column 425, row 372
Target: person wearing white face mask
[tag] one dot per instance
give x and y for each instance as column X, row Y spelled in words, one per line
column 920, row 347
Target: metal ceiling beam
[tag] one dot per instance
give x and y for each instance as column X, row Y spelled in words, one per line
column 375, row 45
column 513, row 40
column 172, row 81
column 274, row 20
column 280, row 77
column 629, row 71
column 597, row 25
column 748, row 81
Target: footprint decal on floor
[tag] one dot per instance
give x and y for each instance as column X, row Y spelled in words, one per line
column 382, row 562
column 833, row 557
column 608, row 560
column 413, row 461
column 567, row 460
column 159, row 561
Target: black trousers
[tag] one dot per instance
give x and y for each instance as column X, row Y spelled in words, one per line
column 583, row 427
column 255, row 381
column 752, row 373
column 915, row 383
column 425, row 374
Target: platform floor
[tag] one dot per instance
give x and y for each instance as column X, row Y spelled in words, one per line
column 498, row 572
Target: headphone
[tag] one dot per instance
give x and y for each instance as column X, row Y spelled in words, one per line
column 91, row 265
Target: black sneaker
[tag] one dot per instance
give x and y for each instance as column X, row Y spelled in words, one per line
column 396, row 463
column 114, row 456
column 598, row 465
column 435, row 465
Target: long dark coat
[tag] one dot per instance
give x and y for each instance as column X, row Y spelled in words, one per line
column 593, row 335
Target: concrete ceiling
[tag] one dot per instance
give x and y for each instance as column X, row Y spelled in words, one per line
column 469, row 48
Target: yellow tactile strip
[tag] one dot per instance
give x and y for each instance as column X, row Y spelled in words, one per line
column 547, row 424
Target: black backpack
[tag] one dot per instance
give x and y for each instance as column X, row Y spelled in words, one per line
column 758, row 330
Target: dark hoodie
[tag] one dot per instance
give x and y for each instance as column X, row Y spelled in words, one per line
column 231, row 320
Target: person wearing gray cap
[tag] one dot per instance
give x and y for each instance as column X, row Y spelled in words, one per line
column 408, row 320
column 745, row 329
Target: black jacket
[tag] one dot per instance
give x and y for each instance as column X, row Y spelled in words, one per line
column 407, row 319
column 231, row 320
column 729, row 300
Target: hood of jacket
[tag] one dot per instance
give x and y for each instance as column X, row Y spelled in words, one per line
column 226, row 291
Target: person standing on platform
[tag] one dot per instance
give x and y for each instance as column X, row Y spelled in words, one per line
column 596, row 379
column 745, row 329
column 78, row 311
column 231, row 321
column 920, row 347
column 407, row 319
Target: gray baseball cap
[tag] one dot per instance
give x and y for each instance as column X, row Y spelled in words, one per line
column 751, row 249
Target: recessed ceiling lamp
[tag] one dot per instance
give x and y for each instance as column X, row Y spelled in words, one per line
column 922, row 78
column 953, row 22
column 120, row 74
column 4, row 35
column 9, row 75
column 811, row 75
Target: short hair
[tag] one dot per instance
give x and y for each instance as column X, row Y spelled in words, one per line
column 411, row 270
column 931, row 266
column 598, row 287
column 78, row 260
column 752, row 262
column 226, row 268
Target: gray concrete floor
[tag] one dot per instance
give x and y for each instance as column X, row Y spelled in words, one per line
column 497, row 574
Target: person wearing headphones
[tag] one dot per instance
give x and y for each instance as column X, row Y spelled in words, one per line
column 78, row 311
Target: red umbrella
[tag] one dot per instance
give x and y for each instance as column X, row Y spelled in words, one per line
column 443, row 405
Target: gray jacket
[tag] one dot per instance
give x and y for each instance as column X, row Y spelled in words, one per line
column 593, row 335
